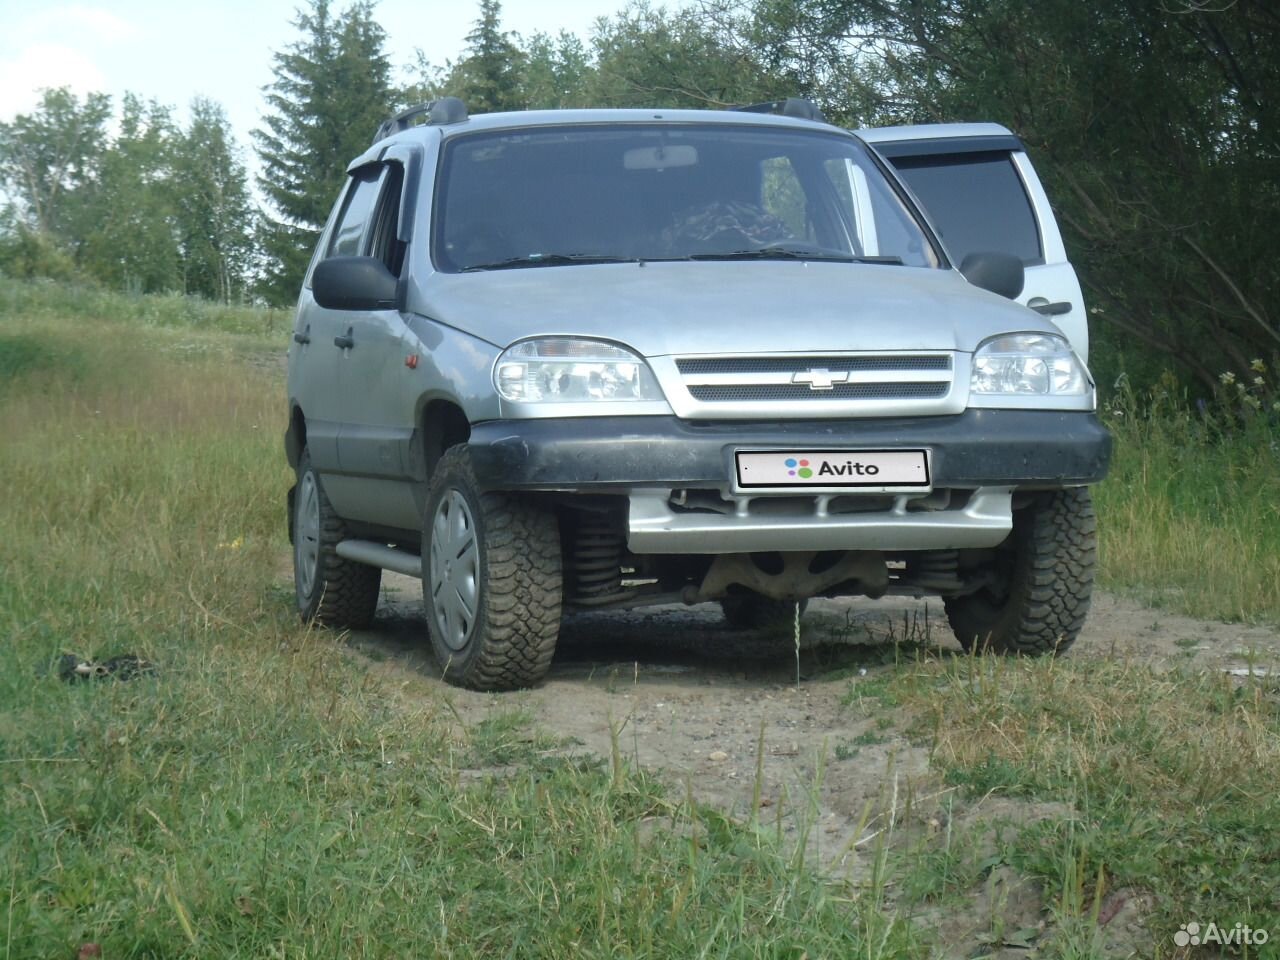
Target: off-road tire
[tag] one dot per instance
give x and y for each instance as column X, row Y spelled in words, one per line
column 1045, row 570
column 511, row 639
column 342, row 593
column 752, row 611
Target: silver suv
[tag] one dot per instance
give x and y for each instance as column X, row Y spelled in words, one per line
column 573, row 360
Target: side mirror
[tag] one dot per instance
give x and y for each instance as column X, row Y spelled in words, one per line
column 354, row 283
column 1000, row 273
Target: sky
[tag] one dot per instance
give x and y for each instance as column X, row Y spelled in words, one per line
column 172, row 51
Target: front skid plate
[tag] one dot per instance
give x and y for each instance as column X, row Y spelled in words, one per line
column 654, row 527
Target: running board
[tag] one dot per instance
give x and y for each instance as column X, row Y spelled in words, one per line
column 380, row 555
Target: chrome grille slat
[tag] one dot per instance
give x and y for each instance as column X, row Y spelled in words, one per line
column 712, row 393
column 847, row 364
column 784, row 377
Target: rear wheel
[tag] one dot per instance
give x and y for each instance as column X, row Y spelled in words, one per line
column 1044, row 580
column 330, row 590
column 491, row 581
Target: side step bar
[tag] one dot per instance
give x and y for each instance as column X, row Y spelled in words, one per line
column 380, row 555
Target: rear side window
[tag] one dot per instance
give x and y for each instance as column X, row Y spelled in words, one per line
column 356, row 211
column 977, row 202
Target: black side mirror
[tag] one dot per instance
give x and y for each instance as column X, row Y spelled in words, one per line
column 354, row 283
column 1000, row 273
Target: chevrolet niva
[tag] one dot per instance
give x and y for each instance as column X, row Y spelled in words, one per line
column 583, row 359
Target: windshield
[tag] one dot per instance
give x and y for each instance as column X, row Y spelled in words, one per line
column 623, row 192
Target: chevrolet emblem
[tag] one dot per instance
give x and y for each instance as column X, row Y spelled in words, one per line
column 821, row 378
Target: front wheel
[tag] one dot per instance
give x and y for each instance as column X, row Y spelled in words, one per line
column 1043, row 580
column 491, row 581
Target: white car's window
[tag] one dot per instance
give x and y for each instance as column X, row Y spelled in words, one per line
column 556, row 195
column 977, row 201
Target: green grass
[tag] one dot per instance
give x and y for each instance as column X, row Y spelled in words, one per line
column 267, row 792
column 1189, row 518
column 1170, row 774
column 43, row 299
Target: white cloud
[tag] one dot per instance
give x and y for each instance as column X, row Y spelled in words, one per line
column 44, row 65
column 58, row 46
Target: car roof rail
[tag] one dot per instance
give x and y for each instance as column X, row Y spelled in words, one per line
column 444, row 110
column 799, row 107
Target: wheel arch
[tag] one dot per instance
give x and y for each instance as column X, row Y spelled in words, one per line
column 441, row 423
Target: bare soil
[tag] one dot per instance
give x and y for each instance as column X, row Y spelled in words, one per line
column 685, row 696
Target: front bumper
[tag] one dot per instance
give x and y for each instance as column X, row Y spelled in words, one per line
column 978, row 448
column 666, row 468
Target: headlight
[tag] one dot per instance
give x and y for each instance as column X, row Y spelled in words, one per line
column 564, row 370
column 1028, row 363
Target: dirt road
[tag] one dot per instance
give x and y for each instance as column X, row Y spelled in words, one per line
column 686, row 696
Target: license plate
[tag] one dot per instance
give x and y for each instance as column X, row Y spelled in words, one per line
column 907, row 469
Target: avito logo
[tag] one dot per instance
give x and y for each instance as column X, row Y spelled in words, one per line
column 849, row 468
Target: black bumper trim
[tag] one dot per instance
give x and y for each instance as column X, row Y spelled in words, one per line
column 1019, row 448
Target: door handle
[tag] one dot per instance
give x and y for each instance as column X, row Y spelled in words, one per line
column 304, row 336
column 347, row 341
column 1043, row 307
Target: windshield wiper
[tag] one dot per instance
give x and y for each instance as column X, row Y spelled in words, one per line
column 793, row 253
column 548, row 260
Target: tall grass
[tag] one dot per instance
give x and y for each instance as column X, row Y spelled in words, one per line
column 1169, row 774
column 1190, row 516
column 265, row 792
column 45, row 299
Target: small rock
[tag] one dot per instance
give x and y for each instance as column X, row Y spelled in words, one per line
column 717, row 756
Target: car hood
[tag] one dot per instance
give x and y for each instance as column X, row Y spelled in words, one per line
column 683, row 308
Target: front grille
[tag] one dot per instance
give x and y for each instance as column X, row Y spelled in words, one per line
column 839, row 377
column 839, row 391
column 703, row 365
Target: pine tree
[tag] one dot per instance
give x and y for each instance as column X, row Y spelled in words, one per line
column 331, row 90
column 489, row 78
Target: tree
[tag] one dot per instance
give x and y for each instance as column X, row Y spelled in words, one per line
column 429, row 81
column 557, row 72
column 331, row 90
column 49, row 158
column 648, row 57
column 125, row 235
column 488, row 77
column 214, row 218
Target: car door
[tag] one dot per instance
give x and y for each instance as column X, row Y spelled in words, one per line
column 313, row 357
column 981, row 192
column 378, row 424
